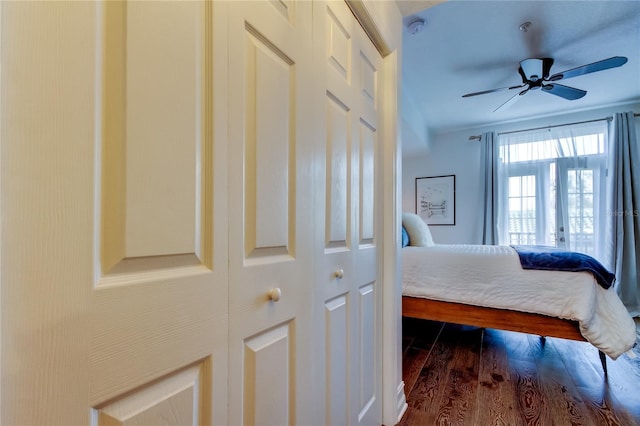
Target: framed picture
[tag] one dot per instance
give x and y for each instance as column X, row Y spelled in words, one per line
column 436, row 199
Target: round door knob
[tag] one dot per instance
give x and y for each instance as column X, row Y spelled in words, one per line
column 339, row 274
column 274, row 294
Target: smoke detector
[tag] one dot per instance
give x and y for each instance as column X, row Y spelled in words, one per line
column 416, row 26
column 525, row 26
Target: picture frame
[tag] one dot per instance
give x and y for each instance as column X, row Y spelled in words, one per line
column 436, row 199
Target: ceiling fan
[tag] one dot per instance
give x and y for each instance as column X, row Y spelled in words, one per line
column 535, row 75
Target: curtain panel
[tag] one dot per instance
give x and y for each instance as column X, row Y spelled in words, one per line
column 624, row 210
column 489, row 188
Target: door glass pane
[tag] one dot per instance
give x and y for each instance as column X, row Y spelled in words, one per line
column 551, row 204
column 580, row 210
column 571, row 182
column 529, row 185
column 514, row 187
column 522, row 210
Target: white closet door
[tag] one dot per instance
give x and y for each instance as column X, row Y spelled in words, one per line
column 347, row 308
column 114, row 216
column 270, row 211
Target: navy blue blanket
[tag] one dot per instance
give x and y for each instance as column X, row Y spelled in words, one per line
column 554, row 259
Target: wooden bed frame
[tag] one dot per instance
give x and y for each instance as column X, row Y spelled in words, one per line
column 502, row 319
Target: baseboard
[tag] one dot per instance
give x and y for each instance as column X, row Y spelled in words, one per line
column 402, row 401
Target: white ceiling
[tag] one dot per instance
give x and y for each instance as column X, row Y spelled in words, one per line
column 469, row 46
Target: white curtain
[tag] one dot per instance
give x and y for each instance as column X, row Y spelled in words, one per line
column 489, row 187
column 624, row 210
column 552, row 187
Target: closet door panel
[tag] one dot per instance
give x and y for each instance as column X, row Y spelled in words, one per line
column 114, row 171
column 338, row 173
column 270, row 197
column 367, row 161
column 367, row 321
column 160, row 296
column 269, row 157
column 348, row 271
column 337, row 362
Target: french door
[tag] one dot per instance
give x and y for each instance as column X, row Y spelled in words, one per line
column 579, row 201
column 559, row 203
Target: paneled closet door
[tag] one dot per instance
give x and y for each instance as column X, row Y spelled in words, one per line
column 347, row 308
column 114, row 268
column 270, row 211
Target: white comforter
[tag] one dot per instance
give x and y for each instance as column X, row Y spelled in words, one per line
column 491, row 276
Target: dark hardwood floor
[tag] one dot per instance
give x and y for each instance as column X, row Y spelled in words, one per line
column 461, row 375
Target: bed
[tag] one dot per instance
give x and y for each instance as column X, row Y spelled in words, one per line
column 486, row 286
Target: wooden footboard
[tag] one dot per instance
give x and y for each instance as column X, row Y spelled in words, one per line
column 503, row 319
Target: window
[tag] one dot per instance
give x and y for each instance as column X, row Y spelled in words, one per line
column 553, row 181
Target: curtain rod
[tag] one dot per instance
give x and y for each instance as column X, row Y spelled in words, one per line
column 477, row 137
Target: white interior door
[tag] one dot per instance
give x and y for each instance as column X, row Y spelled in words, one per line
column 114, row 218
column 270, row 204
column 346, row 291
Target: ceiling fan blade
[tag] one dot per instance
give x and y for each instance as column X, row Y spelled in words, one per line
column 605, row 64
column 511, row 100
column 493, row 90
column 570, row 93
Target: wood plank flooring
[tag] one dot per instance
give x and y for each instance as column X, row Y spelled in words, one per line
column 461, row 375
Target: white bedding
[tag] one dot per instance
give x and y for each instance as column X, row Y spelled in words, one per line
column 491, row 276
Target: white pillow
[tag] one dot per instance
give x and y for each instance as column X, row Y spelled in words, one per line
column 418, row 230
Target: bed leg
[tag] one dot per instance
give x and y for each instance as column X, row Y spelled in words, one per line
column 543, row 340
column 603, row 361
